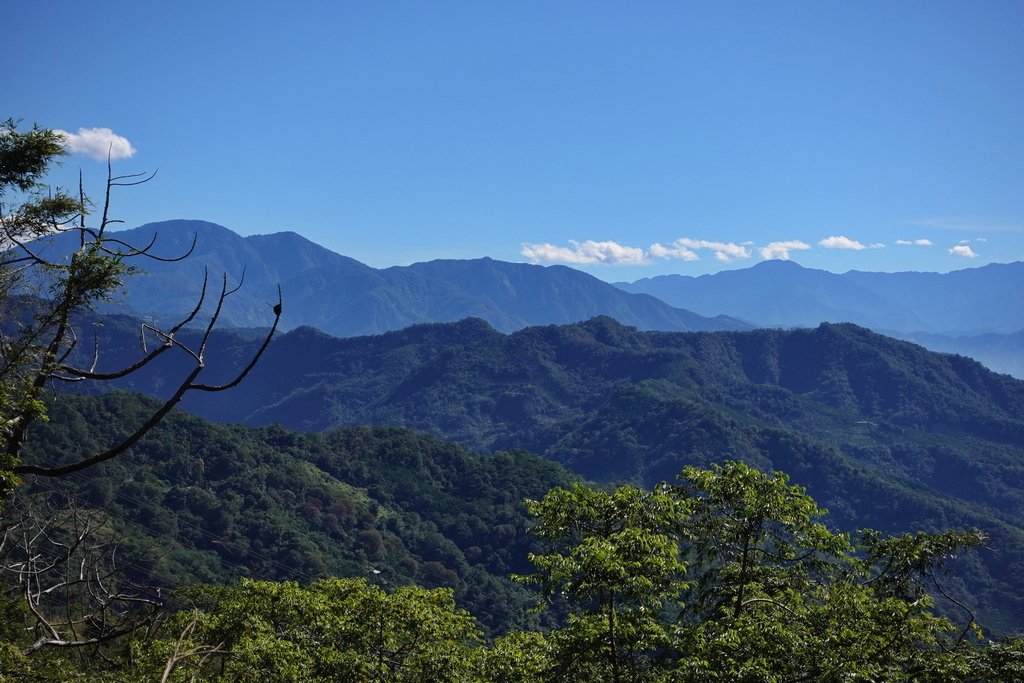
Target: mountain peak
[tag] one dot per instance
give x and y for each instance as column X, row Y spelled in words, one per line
column 778, row 264
column 187, row 225
column 347, row 298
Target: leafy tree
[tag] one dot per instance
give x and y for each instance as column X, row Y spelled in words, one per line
column 618, row 563
column 24, row 160
column 519, row 657
column 332, row 630
column 754, row 537
column 778, row 596
column 767, row 592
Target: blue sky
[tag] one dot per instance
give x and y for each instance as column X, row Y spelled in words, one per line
column 627, row 139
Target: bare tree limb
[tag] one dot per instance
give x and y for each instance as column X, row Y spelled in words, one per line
column 69, row 580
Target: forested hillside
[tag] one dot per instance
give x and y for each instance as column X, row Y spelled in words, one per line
column 727, row 574
column 882, row 432
column 201, row 502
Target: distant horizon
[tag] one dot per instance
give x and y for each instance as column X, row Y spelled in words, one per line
column 596, row 272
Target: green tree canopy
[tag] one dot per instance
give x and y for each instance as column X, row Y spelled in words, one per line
column 732, row 576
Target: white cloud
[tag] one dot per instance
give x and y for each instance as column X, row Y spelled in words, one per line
column 780, row 250
column 918, row 242
column 724, row 251
column 613, row 253
column 675, row 251
column 962, row 250
column 582, row 253
column 981, row 239
column 843, row 242
column 97, row 143
column 685, row 249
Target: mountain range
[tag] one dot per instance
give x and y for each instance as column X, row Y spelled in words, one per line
column 779, row 293
column 978, row 312
column 344, row 297
column 510, row 296
column 883, row 433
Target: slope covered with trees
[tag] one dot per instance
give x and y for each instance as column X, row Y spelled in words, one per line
column 224, row 502
column 727, row 575
column 882, row 432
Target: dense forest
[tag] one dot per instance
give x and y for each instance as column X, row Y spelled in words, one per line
column 240, row 536
column 142, row 543
column 226, row 502
column 883, row 433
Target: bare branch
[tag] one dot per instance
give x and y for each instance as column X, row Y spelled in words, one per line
column 84, row 642
column 135, row 251
column 146, row 177
column 120, row 448
column 167, row 341
column 188, row 384
column 241, row 281
column 92, row 374
column 67, row 580
column 214, row 317
column 72, row 345
column 970, row 614
column 81, row 215
column 199, row 304
column 204, row 652
column 29, row 254
column 774, row 603
column 255, row 359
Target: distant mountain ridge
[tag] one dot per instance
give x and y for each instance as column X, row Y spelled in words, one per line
column 344, row 297
column 978, row 312
column 785, row 294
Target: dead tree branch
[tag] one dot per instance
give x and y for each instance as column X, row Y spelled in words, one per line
column 65, row 567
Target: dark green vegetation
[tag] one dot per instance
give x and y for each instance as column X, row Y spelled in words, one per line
column 344, row 297
column 223, row 502
column 728, row 575
column 882, row 433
